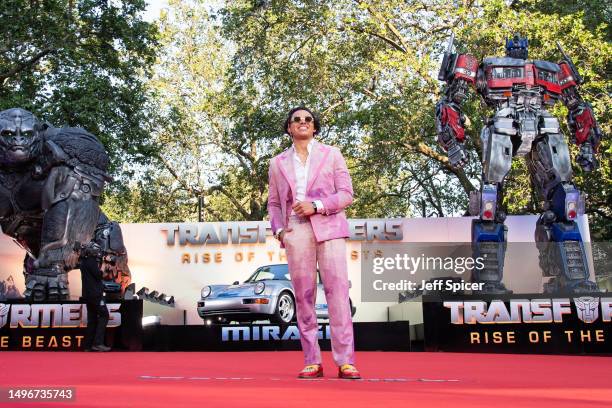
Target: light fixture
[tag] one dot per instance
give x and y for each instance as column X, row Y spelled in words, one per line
column 259, row 288
column 151, row 320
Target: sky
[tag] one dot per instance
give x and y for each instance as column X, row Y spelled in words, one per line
column 154, row 7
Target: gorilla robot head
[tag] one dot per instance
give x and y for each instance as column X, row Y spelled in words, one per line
column 20, row 137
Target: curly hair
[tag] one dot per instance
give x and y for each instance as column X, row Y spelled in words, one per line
column 317, row 122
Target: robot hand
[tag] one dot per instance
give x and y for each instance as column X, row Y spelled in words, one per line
column 110, row 259
column 457, row 156
column 586, row 157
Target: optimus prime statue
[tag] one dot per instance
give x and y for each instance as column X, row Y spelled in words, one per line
column 50, row 183
column 520, row 90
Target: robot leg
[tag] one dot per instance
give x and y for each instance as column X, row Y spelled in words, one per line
column 562, row 251
column 489, row 244
column 489, row 231
column 65, row 224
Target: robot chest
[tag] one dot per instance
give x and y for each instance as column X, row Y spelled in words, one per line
column 526, row 75
column 28, row 196
column 6, row 207
column 20, row 194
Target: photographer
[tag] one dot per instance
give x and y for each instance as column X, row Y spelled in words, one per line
column 93, row 296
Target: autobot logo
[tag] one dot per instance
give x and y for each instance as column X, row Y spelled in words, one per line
column 587, row 308
column 267, row 333
column 529, row 311
column 31, row 316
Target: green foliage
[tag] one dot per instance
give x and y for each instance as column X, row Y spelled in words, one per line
column 367, row 69
column 586, row 39
column 226, row 77
column 208, row 135
column 80, row 63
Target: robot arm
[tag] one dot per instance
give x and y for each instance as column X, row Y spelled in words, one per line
column 585, row 131
column 459, row 71
column 108, row 248
column 109, row 238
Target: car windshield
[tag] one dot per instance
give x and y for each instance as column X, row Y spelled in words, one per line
column 270, row 272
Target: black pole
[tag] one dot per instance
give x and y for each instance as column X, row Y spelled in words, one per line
column 200, row 205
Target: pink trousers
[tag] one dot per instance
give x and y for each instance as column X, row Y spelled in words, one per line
column 303, row 254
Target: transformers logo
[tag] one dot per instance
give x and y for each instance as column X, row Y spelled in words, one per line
column 4, row 309
column 257, row 231
column 529, row 311
column 32, row 316
column 587, row 308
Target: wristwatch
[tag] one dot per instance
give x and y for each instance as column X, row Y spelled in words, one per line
column 314, row 205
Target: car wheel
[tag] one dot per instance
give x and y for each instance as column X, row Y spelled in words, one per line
column 285, row 309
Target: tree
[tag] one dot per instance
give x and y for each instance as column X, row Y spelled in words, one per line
column 207, row 136
column 365, row 67
column 370, row 68
column 226, row 78
column 81, row 63
column 586, row 39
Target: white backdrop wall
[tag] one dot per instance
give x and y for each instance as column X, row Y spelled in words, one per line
column 172, row 268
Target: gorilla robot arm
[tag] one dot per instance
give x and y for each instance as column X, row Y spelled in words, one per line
column 51, row 180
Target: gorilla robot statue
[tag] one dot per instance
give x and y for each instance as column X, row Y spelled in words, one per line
column 50, row 184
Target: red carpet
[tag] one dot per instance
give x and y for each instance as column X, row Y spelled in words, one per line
column 267, row 379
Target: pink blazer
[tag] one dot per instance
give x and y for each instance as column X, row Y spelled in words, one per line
column 328, row 181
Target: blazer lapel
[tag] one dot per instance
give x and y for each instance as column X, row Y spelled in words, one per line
column 318, row 155
column 286, row 167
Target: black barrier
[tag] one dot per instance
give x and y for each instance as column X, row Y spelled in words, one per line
column 60, row 326
column 525, row 323
column 369, row 336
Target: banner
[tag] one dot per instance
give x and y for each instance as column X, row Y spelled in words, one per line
column 373, row 336
column 519, row 323
column 51, row 326
column 180, row 259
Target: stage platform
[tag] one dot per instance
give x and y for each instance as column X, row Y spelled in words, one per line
column 267, row 379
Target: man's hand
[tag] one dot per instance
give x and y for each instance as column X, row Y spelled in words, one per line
column 303, row 208
column 586, row 157
column 281, row 235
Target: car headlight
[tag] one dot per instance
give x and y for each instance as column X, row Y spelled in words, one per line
column 206, row 292
column 259, row 288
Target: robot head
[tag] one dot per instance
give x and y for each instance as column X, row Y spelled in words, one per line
column 20, row 137
column 517, row 47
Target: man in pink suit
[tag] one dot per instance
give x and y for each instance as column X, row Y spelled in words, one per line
column 309, row 189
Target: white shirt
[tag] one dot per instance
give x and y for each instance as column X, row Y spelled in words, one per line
column 301, row 179
column 301, row 172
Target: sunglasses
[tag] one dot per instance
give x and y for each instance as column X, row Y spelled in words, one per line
column 298, row 119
